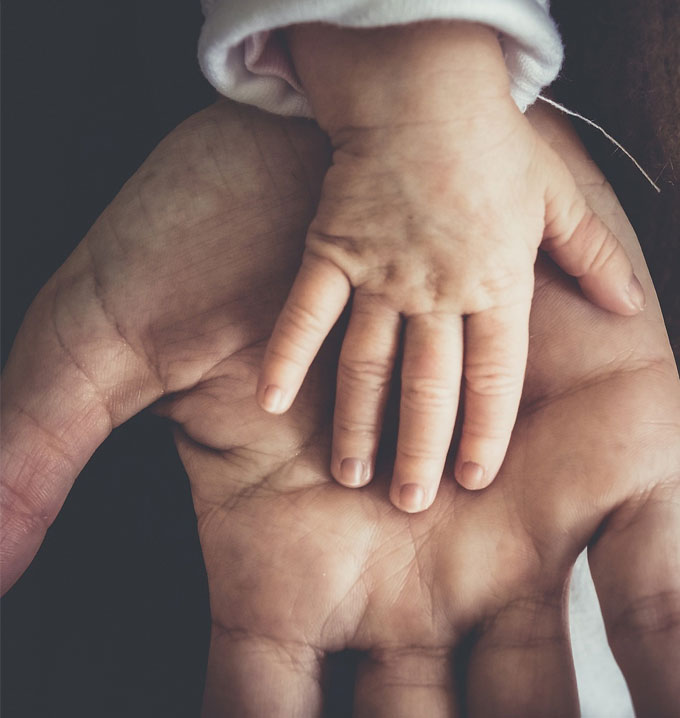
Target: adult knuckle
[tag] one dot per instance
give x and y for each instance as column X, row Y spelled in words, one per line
column 525, row 624
column 21, row 511
column 658, row 613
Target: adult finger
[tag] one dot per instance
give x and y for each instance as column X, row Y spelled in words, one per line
column 521, row 664
column 583, row 246
column 430, row 385
column 70, row 378
column 496, row 343
column 257, row 676
column 401, row 683
column 635, row 565
column 318, row 296
column 364, row 372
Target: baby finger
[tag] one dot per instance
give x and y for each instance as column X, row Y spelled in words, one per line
column 430, row 384
column 496, row 342
column 364, row 372
column 315, row 302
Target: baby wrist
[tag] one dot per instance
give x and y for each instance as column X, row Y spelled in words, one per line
column 422, row 72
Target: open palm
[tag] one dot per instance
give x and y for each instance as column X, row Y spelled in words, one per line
column 172, row 296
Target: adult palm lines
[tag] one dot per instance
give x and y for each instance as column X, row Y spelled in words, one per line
column 192, row 261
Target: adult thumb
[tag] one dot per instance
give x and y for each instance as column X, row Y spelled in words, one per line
column 70, row 378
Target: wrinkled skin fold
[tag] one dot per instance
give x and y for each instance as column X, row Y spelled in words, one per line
column 170, row 299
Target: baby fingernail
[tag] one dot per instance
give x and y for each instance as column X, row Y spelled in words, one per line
column 471, row 474
column 272, row 398
column 352, row 472
column 636, row 294
column 412, row 497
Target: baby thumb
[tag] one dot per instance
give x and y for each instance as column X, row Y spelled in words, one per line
column 583, row 246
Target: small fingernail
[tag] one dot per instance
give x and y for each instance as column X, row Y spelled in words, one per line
column 636, row 294
column 412, row 497
column 472, row 474
column 352, row 472
column 271, row 398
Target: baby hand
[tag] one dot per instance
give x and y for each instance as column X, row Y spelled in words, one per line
column 432, row 213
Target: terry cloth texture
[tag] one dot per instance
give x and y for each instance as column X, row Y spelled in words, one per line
column 622, row 70
column 244, row 57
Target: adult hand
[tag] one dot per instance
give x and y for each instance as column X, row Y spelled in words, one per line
column 151, row 301
column 174, row 292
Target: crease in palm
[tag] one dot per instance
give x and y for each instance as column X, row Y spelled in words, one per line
column 293, row 558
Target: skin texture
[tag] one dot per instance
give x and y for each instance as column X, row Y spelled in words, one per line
column 171, row 298
column 430, row 218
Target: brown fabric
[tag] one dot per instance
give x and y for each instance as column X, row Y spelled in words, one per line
column 622, row 70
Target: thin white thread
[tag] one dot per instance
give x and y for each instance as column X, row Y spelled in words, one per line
column 562, row 108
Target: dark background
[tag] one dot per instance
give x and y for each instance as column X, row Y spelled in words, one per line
column 622, row 70
column 111, row 619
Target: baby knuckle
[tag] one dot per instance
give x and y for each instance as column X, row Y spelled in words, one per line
column 606, row 250
column 491, row 381
column 423, row 394
column 568, row 221
column 419, row 453
column 364, row 372
column 480, row 430
column 325, row 244
column 588, row 239
column 588, row 228
column 290, row 352
column 509, row 283
column 354, row 426
column 298, row 320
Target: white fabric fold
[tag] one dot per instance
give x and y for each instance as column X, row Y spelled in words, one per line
column 245, row 59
